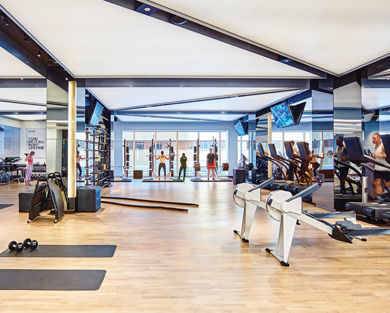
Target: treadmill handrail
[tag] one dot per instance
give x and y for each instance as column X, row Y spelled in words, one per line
column 305, row 192
column 263, row 184
column 368, row 159
column 349, row 166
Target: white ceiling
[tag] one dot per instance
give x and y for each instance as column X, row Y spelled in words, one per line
column 180, row 118
column 11, row 67
column 117, row 98
column 249, row 104
column 332, row 34
column 375, row 98
column 36, row 95
column 32, row 95
column 97, row 38
column 28, row 117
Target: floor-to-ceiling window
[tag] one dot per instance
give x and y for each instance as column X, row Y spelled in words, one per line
column 142, row 143
column 186, row 144
column 139, row 142
column 162, row 144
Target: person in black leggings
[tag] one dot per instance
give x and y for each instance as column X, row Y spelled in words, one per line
column 183, row 166
column 162, row 165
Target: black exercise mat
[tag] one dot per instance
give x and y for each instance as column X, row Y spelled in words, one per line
column 65, row 251
column 21, row 279
column 3, row 206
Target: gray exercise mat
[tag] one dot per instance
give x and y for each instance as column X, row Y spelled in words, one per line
column 21, row 279
column 3, row 206
column 65, row 251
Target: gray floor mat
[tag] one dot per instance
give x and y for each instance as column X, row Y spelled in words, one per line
column 65, row 251
column 21, row 279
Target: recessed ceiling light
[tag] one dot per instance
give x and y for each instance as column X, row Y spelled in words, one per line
column 147, row 9
column 39, row 54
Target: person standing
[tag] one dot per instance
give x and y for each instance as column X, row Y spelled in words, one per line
column 342, row 156
column 292, row 167
column 78, row 158
column 381, row 173
column 211, row 161
column 162, row 165
column 314, row 163
column 29, row 168
column 183, row 166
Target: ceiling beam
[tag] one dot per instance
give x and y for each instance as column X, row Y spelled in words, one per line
column 15, row 39
column 378, row 67
column 223, row 97
column 181, row 20
column 23, row 113
column 193, row 82
column 23, row 83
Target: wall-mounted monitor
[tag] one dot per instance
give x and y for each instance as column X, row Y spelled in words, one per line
column 282, row 115
column 287, row 115
column 96, row 115
column 241, row 128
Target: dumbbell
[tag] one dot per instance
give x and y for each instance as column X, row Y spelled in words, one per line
column 28, row 243
column 14, row 246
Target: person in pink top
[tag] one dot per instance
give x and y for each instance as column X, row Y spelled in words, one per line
column 29, row 167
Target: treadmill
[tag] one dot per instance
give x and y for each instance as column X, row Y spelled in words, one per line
column 373, row 210
column 288, row 185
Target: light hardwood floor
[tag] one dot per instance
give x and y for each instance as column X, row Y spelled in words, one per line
column 178, row 262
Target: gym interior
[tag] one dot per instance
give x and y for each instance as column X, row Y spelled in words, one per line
column 188, row 156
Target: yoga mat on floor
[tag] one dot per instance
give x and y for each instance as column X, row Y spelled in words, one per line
column 22, row 279
column 64, row 251
column 3, row 206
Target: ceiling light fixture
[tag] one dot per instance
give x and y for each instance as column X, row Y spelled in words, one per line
column 39, row 54
column 6, row 22
column 147, row 9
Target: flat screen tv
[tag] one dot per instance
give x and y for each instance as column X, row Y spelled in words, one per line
column 287, row 115
column 241, row 128
column 96, row 115
column 282, row 115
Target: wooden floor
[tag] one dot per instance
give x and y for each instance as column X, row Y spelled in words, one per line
column 178, row 262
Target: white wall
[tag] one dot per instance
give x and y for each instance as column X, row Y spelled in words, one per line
column 23, row 125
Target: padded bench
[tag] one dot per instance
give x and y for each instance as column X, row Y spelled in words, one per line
column 88, row 198
column 25, row 199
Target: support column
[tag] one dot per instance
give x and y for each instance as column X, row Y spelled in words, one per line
column 72, row 144
column 269, row 140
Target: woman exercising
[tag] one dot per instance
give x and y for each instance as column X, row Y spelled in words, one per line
column 29, row 167
column 381, row 173
column 162, row 165
column 314, row 163
column 78, row 158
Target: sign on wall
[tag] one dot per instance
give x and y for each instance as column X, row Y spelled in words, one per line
column 36, row 141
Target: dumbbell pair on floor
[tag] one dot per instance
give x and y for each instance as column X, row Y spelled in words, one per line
column 27, row 243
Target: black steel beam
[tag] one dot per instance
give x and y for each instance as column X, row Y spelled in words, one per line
column 23, row 113
column 375, row 83
column 378, row 67
column 17, row 41
column 23, row 83
column 193, row 82
column 193, row 25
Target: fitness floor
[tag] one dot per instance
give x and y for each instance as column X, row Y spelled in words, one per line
column 192, row 262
